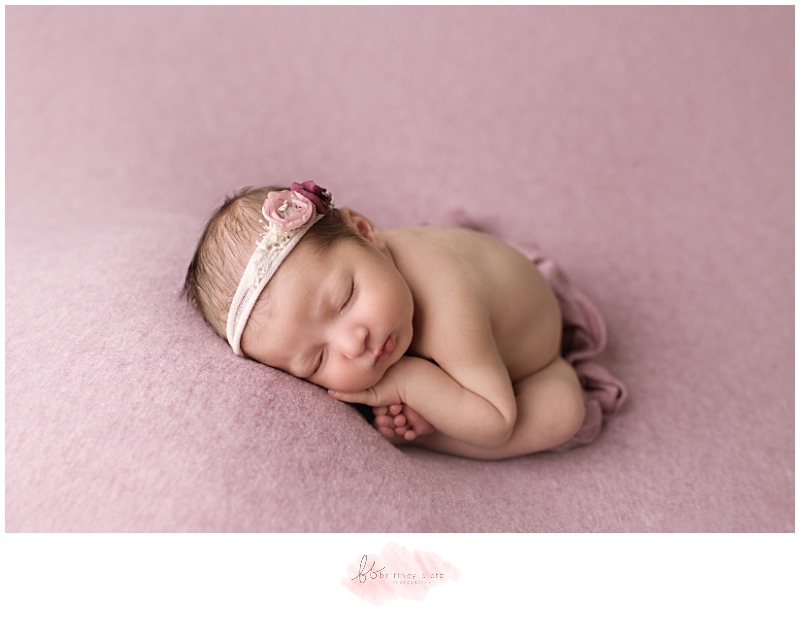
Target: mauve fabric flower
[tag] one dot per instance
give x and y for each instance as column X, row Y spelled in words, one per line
column 316, row 194
column 287, row 210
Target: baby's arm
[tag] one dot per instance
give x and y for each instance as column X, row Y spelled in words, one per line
column 453, row 409
column 483, row 414
column 448, row 406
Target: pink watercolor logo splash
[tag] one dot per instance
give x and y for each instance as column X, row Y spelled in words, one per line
column 397, row 572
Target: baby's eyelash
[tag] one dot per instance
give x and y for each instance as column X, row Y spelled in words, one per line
column 347, row 302
column 319, row 363
column 352, row 293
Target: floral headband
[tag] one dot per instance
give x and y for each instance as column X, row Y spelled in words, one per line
column 288, row 215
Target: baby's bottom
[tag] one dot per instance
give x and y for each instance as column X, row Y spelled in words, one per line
column 550, row 410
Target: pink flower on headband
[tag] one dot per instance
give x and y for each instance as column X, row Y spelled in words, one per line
column 318, row 196
column 287, row 210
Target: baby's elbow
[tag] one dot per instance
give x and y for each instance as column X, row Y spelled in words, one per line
column 502, row 438
column 492, row 424
column 501, row 433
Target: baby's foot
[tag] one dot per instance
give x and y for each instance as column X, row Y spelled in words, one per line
column 416, row 424
column 385, row 423
column 399, row 423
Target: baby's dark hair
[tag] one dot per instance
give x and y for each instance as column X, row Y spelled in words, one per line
column 228, row 241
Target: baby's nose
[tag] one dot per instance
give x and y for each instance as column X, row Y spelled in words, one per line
column 355, row 342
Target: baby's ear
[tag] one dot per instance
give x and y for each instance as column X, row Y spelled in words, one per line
column 363, row 226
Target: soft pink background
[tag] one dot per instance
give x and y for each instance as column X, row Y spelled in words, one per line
column 649, row 150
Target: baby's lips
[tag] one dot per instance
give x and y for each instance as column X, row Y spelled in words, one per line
column 386, row 350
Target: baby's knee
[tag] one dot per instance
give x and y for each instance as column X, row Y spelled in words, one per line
column 572, row 411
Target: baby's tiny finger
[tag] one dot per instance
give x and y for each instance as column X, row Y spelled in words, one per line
column 367, row 397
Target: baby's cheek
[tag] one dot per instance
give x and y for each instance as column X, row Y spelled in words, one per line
column 352, row 380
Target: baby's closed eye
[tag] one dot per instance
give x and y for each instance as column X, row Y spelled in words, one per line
column 318, row 363
column 350, row 296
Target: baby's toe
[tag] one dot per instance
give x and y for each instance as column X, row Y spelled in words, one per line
column 386, row 432
column 420, row 425
column 384, row 421
column 396, row 408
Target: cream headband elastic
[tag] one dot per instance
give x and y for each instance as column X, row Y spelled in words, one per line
column 288, row 215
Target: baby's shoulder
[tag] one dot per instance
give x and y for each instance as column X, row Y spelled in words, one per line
column 427, row 252
column 459, row 256
column 448, row 267
column 444, row 242
column 464, row 281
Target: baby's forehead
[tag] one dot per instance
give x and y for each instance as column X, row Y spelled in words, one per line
column 304, row 275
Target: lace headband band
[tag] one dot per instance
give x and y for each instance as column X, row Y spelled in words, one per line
column 288, row 215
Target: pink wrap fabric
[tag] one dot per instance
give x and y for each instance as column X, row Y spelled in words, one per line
column 584, row 337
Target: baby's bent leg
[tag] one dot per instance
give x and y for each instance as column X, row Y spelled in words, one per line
column 550, row 410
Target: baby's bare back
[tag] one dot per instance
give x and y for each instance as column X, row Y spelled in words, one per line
column 449, row 269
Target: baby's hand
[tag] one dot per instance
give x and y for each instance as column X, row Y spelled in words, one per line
column 399, row 420
column 386, row 392
column 393, row 419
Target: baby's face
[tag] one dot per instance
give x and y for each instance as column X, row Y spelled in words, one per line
column 337, row 317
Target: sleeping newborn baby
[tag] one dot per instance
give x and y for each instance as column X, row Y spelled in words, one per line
column 453, row 337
